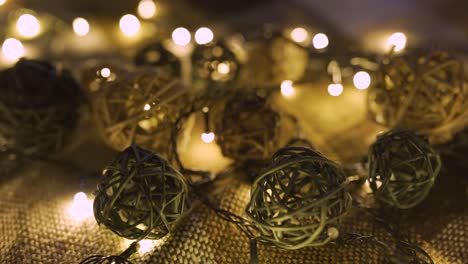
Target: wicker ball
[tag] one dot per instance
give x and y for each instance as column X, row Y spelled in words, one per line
column 402, row 168
column 140, row 107
column 215, row 66
column 422, row 93
column 39, row 108
column 299, row 199
column 157, row 56
column 248, row 129
column 141, row 195
column 105, row 260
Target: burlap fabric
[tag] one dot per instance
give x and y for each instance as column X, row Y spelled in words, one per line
column 36, row 228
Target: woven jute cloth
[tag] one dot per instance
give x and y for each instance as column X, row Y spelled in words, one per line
column 36, row 227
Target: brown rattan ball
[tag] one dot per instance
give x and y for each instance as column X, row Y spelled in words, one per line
column 420, row 92
column 299, row 199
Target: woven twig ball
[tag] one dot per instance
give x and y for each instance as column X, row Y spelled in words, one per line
column 156, row 55
column 248, row 129
column 141, row 195
column 299, row 199
column 39, row 108
column 402, row 168
column 140, row 107
column 423, row 93
column 214, row 66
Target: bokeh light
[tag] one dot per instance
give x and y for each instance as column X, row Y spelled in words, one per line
column 28, row 26
column 105, row 72
column 397, row 40
column 362, row 80
column 2, row 2
column 129, row 24
column 335, row 89
column 146, row 9
column 320, row 41
column 80, row 26
column 299, row 34
column 203, row 35
column 181, row 36
column 12, row 49
column 208, row 137
column 286, row 88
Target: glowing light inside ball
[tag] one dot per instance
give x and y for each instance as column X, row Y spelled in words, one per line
column 299, row 34
column 146, row 9
column 204, row 35
column 223, row 68
column 208, row 137
column 362, row 80
column 12, row 49
column 181, row 36
column 82, row 207
column 335, row 89
column 287, row 88
column 80, row 26
column 105, row 72
column 130, row 25
column 397, row 40
column 320, row 41
column 28, row 26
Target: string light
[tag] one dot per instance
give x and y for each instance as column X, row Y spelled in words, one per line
column 2, row 2
column 362, row 80
column 146, row 9
column 320, row 41
column 145, row 245
column 28, row 26
column 129, row 24
column 12, row 49
column 81, row 208
column 335, row 89
column 397, row 40
column 147, row 107
column 208, row 137
column 203, row 35
column 181, row 36
column 286, row 88
column 80, row 26
column 299, row 34
column 223, row 68
column 105, row 72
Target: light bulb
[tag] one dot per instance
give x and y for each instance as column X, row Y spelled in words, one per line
column 28, row 26
column 130, row 25
column 335, row 89
column 362, row 80
column 147, row 107
column 2, row 2
column 105, row 72
column 320, row 41
column 203, row 35
column 286, row 88
column 397, row 40
column 299, row 34
column 80, row 26
column 181, row 36
column 81, row 208
column 12, row 49
column 145, row 245
column 146, row 9
column 208, row 137
column 223, row 68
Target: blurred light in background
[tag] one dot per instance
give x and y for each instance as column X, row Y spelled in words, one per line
column 398, row 40
column 286, row 88
column 362, row 80
column 181, row 36
column 320, row 41
column 146, row 9
column 223, row 68
column 28, row 26
column 129, row 24
column 208, row 137
column 80, row 26
column 203, row 35
column 335, row 89
column 299, row 34
column 12, row 49
column 81, row 208
column 105, row 72
column 2, row 2
column 147, row 107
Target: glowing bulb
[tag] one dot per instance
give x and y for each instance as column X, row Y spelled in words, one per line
column 208, row 137
column 80, row 26
column 147, row 107
column 81, row 208
column 335, row 89
column 2, row 2
column 12, row 49
column 205, row 109
column 129, row 24
column 203, row 35
column 299, row 34
column 146, row 9
column 105, row 72
column 181, row 36
column 362, row 80
column 223, row 68
column 397, row 40
column 320, row 41
column 145, row 245
column 28, row 26
column 286, row 88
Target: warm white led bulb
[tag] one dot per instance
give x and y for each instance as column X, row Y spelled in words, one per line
column 147, row 107
column 146, row 9
column 28, row 26
column 203, row 35
column 299, row 34
column 81, row 208
column 181, row 36
column 129, row 24
column 286, row 88
column 145, row 245
column 320, row 41
column 2, row 2
column 80, row 26
column 335, row 89
column 223, row 68
column 105, row 72
column 362, row 80
column 208, row 137
column 12, row 49
column 397, row 40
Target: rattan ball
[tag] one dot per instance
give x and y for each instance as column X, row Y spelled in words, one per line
column 141, row 195
column 214, row 66
column 157, row 56
column 420, row 92
column 402, row 168
column 299, row 199
column 140, row 107
column 39, row 108
column 248, row 128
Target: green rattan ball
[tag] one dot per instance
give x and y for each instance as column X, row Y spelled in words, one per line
column 402, row 168
column 141, row 195
column 299, row 199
